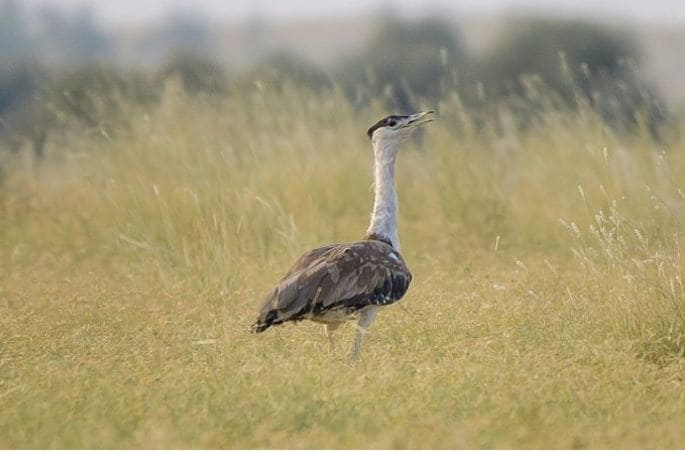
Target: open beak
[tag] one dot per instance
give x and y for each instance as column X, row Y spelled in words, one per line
column 420, row 118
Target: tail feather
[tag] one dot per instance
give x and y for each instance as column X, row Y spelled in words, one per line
column 259, row 327
column 265, row 321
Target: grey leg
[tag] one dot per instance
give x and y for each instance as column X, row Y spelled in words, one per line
column 365, row 320
column 330, row 328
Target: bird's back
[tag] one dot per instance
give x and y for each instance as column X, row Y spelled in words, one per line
column 332, row 283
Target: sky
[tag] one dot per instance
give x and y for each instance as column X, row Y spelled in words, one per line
column 133, row 12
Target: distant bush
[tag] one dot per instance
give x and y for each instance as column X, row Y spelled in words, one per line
column 197, row 73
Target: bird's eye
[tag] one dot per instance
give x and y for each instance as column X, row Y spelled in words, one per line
column 392, row 123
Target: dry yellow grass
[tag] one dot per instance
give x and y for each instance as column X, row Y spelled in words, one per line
column 547, row 308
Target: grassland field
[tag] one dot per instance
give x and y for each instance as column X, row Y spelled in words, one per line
column 547, row 308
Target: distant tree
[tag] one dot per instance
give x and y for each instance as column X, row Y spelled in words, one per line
column 575, row 61
column 95, row 96
column 58, row 39
column 93, row 99
column 536, row 46
column 410, row 57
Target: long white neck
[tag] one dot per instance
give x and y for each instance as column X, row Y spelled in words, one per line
column 384, row 214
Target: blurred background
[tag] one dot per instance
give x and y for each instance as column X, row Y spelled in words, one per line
column 73, row 61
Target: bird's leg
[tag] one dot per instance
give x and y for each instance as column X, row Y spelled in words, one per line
column 365, row 320
column 330, row 328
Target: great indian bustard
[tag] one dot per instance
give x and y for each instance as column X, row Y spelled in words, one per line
column 335, row 283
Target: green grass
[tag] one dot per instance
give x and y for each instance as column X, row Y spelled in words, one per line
column 547, row 309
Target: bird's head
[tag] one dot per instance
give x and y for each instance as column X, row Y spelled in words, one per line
column 390, row 131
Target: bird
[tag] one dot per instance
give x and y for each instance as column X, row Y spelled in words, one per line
column 336, row 283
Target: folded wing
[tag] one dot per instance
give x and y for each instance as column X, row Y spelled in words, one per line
column 331, row 283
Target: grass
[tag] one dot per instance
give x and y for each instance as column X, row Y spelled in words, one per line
column 547, row 309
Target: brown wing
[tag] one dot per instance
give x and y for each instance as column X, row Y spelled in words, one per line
column 338, row 278
column 306, row 260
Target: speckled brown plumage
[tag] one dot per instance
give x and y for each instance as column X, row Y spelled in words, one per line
column 334, row 283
